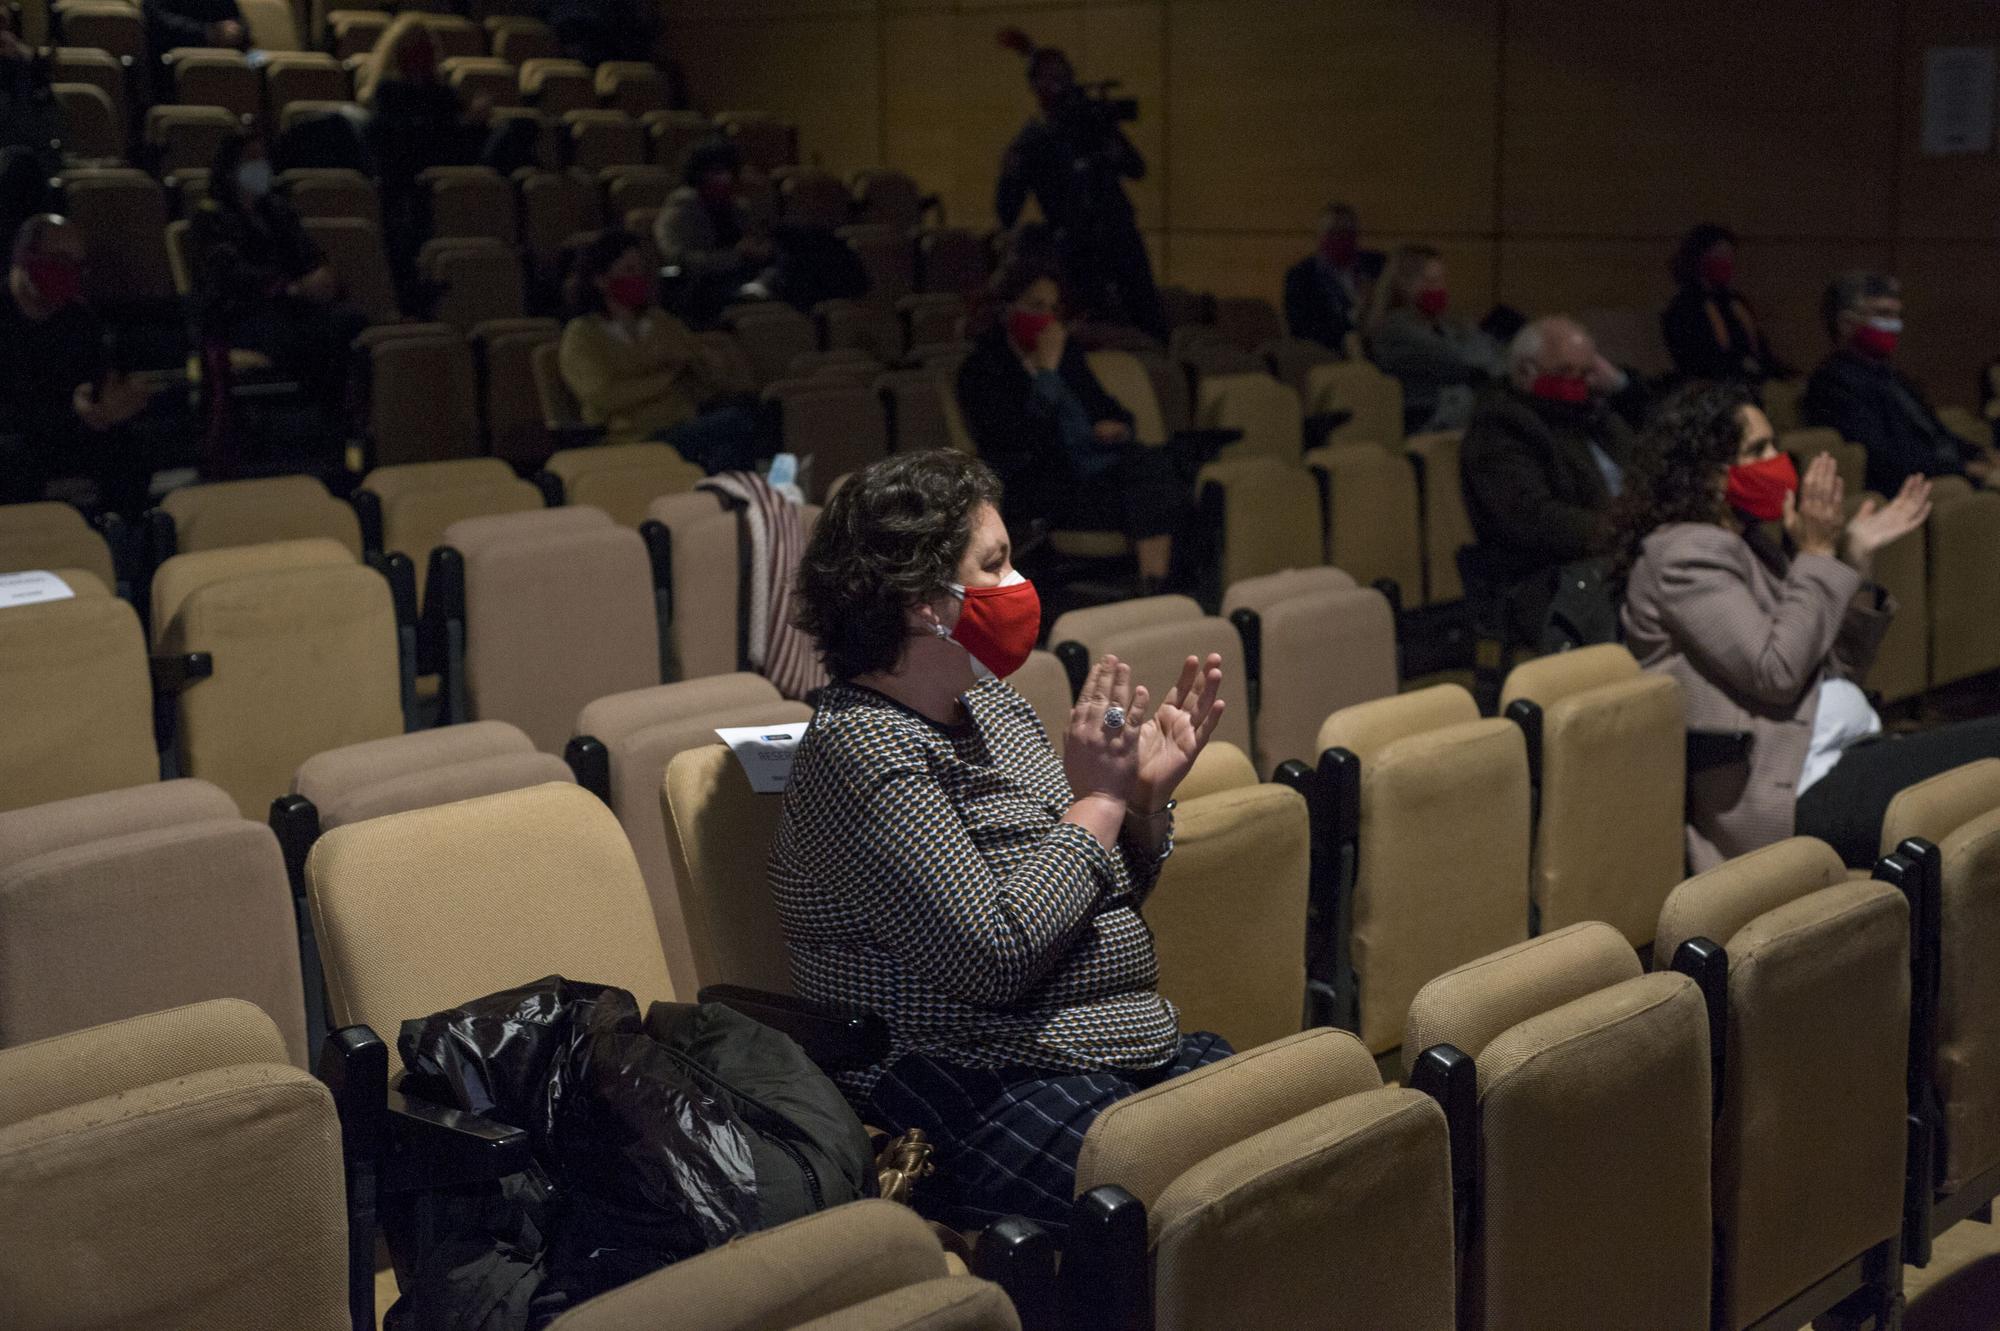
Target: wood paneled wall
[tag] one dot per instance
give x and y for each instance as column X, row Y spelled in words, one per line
column 1553, row 149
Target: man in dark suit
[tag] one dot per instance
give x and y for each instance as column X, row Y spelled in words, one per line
column 1858, row 391
column 1326, row 293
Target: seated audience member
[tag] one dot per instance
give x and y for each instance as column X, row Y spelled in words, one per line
column 1327, row 291
column 1440, row 360
column 1062, row 446
column 29, row 118
column 61, row 403
column 638, row 371
column 1769, row 639
column 1708, row 327
column 707, row 232
column 939, row 864
column 1858, row 391
column 1543, row 458
column 171, row 24
column 24, row 190
column 263, row 285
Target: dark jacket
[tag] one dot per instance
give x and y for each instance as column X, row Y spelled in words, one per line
column 244, row 259
column 1319, row 307
column 1017, row 435
column 1875, row 405
column 1073, row 164
column 171, row 24
column 1742, row 354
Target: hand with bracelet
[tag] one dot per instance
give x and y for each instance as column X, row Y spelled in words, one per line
column 1169, row 742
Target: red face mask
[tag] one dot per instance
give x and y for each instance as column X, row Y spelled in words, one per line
column 1339, row 247
column 1026, row 327
column 1431, row 301
column 634, row 292
column 999, row 625
column 1571, row 390
column 1719, row 271
column 58, row 282
column 1759, row 488
column 1877, row 338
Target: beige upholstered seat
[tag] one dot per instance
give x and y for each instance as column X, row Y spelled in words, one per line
column 479, row 280
column 599, row 138
column 642, row 732
column 839, row 425
column 1374, row 398
column 137, row 900
column 1155, row 635
column 1372, row 516
column 1809, row 1140
column 1608, row 838
column 469, row 201
column 276, row 508
column 1123, row 376
column 1573, row 1045
column 707, row 630
column 1447, row 526
column 719, row 836
column 559, row 611
column 304, row 644
column 1936, row 808
column 1806, row 444
column 556, row 85
column 1265, row 410
column 170, row 1171
column 1901, row 668
column 1045, row 684
column 421, row 770
column 420, row 500
column 79, row 701
column 1964, row 533
column 1323, row 644
column 622, row 479
column 867, row 1266
column 1270, row 516
column 1441, row 864
column 418, row 911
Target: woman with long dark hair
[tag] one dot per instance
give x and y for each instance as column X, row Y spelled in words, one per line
column 1709, row 329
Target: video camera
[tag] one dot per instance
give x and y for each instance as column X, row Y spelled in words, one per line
column 1093, row 103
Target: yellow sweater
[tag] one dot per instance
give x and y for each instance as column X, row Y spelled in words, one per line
column 639, row 384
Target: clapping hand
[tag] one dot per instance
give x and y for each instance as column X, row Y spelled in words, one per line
column 1176, row 733
column 1814, row 514
column 1876, row 524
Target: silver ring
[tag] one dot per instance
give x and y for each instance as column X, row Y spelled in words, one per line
column 1114, row 717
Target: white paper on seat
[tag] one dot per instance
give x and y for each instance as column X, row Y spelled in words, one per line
column 765, row 752
column 31, row 588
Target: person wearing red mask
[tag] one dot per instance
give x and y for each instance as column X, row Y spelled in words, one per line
column 1858, row 391
column 1326, row 292
column 61, row 403
column 1062, row 445
column 1440, row 359
column 1771, row 636
column 943, row 865
column 707, row 232
column 637, row 371
column 1708, row 327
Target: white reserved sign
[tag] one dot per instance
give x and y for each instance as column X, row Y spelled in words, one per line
column 31, row 588
column 765, row 752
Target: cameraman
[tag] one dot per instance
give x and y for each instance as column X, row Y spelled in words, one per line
column 1073, row 157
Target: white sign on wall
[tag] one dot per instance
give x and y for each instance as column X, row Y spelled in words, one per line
column 1958, row 100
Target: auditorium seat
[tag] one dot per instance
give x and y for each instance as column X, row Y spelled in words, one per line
column 601, row 138
column 353, row 249
column 510, row 410
column 772, row 334
column 1422, row 810
column 91, row 132
column 469, row 201
column 111, row 26
column 303, row 652
column 354, row 32
column 300, row 110
column 1607, row 753
column 171, row 1171
column 1372, row 516
column 886, row 197
column 888, row 256
column 1374, row 399
column 628, row 188
column 672, row 133
column 621, row 751
column 331, row 192
column 422, row 394
column 133, row 901
column 632, row 86
column 53, row 535
column 554, row 608
column 411, row 505
column 1045, row 684
column 860, row 325
column 302, row 76
column 1265, row 410
column 517, row 40
column 622, row 479
column 953, row 259
column 481, row 280
column 850, row 364
column 221, row 78
column 915, row 416
column 1123, row 376
column 931, row 318
column 809, row 196
column 835, row 424
column 703, row 539
column 1806, row 444
column 870, row 1265
column 1447, row 527
column 1313, row 643
column 719, row 834
column 1562, row 1039
column 1206, row 354
column 1248, row 321
column 1292, row 359
column 1964, row 537
column 474, row 77
column 557, row 86
column 101, row 70
column 765, row 141
column 1155, row 635
column 1262, row 516
column 179, row 137
column 224, row 514
column 1901, row 669
column 556, row 206
column 79, row 696
column 122, row 215
column 1807, row 977
column 1241, row 1171
column 1781, row 398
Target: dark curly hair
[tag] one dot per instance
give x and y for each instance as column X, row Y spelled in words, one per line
column 1693, row 437
column 891, row 537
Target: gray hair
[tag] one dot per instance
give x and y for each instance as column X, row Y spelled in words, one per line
column 1526, row 348
column 1846, row 292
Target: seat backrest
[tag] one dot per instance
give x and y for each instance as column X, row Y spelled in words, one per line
column 954, row 259
column 1090, row 624
column 888, row 198
column 275, row 508
column 599, row 139
column 185, row 136
column 623, row 479
column 1324, row 644
column 1442, row 860
column 1573, row 1045
column 1717, row 904
column 421, row 769
column 52, row 535
column 422, row 393
column 1155, row 636
column 643, row 732
column 1902, row 660
column 1967, row 1073
column 353, row 249
column 916, row 416
column 225, row 1148
column 1270, row 516
column 477, row 76
column 765, row 141
column 810, row 196
column 518, row 40
column 89, row 122
column 415, row 521
column 1265, row 410
column 136, row 900
column 1228, row 917
column 509, row 888
column 216, row 78
column 332, row 192
column 303, row 76
column 122, row 215
column 1045, row 684
column 79, row 697
column 1807, row 444
column 719, row 836
column 556, row 205
column 630, row 187
column 772, row 334
column 556, row 615
column 1936, row 808
column 1248, row 321
column 481, row 278
column 1373, row 526
column 632, row 86
column 1447, row 526
column 1608, row 836
column 1964, row 597
column 472, row 201
column 708, row 626
column 1124, row 377
column 888, row 255
column 839, row 425
column 1374, row 399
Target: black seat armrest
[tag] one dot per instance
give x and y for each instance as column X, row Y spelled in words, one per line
column 433, row 1146
column 835, row 1038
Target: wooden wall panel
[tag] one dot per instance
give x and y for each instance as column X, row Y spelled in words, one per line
column 821, row 70
column 1951, row 308
column 1955, row 197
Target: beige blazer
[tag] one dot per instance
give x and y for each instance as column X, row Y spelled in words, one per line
column 1750, row 648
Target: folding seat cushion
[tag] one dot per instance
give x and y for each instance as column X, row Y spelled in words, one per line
column 719, row 837
column 275, row 508
column 1372, row 516
column 1323, row 644
column 559, row 611
column 838, row 425
column 1228, row 916
column 170, row 1171
column 419, row 770
column 642, row 732
column 1441, row 872
column 1446, row 525
column 1613, row 783
column 708, row 633
column 132, row 901
column 79, row 697
column 1809, row 1141
column 1155, row 635
column 1268, row 514
column 1265, row 410
column 623, row 479
column 306, row 657
column 52, row 535
column 1373, row 399
column 1573, row 1044
column 469, row 201
column 1964, row 534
